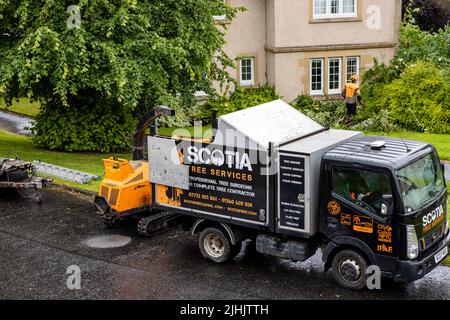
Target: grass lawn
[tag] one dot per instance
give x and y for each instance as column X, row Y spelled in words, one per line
column 440, row 141
column 12, row 145
column 24, row 106
column 205, row 132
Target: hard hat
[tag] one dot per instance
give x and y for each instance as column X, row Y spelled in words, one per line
column 355, row 78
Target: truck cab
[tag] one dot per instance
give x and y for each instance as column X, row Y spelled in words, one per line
column 385, row 205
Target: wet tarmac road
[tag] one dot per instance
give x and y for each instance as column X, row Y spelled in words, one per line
column 39, row 243
column 15, row 123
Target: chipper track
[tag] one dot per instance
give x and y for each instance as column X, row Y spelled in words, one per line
column 158, row 223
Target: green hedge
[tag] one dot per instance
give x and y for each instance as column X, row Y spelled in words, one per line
column 420, row 99
column 101, row 127
column 413, row 89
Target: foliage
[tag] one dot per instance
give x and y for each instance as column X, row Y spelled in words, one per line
column 412, row 89
column 431, row 15
column 240, row 99
column 373, row 83
column 420, row 99
column 333, row 112
column 83, row 127
column 416, row 44
column 128, row 55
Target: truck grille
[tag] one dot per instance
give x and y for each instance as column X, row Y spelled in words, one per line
column 432, row 238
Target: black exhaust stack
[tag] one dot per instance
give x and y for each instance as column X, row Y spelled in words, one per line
column 146, row 121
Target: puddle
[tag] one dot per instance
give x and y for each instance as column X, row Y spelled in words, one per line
column 107, row 242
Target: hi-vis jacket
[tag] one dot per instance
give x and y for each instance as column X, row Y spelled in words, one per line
column 350, row 93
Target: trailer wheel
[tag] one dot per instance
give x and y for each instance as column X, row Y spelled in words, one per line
column 349, row 269
column 215, row 245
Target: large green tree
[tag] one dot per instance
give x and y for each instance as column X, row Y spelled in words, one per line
column 91, row 63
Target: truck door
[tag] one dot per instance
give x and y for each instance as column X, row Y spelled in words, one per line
column 354, row 209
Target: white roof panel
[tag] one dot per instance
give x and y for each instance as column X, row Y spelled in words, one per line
column 275, row 122
column 320, row 141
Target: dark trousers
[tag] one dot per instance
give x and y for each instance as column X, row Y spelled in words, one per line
column 351, row 109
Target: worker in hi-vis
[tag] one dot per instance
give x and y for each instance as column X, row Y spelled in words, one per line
column 351, row 95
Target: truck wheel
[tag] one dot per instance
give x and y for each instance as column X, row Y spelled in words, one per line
column 215, row 245
column 349, row 269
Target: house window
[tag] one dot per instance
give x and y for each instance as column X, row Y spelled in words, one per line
column 320, row 7
column 334, row 75
column 316, row 76
column 325, row 9
column 349, row 6
column 247, row 71
column 352, row 67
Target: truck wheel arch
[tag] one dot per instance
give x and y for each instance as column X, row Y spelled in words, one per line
column 341, row 243
column 235, row 235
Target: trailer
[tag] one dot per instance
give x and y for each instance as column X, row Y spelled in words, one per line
column 273, row 175
column 20, row 175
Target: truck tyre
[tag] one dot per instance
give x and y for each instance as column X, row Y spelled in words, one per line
column 215, row 245
column 349, row 269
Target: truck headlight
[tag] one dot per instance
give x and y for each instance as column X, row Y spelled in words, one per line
column 412, row 244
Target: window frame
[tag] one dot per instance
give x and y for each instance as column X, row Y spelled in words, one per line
column 250, row 82
column 376, row 216
column 358, row 66
column 340, row 14
column 339, row 89
column 322, row 83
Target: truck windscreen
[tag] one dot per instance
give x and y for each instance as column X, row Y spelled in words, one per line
column 421, row 182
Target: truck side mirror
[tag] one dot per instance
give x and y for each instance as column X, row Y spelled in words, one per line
column 387, row 205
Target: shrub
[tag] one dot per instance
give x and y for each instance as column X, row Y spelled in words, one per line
column 418, row 45
column 241, row 98
column 86, row 127
column 334, row 112
column 431, row 15
column 420, row 99
column 328, row 111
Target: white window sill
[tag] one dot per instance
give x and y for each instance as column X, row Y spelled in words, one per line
column 332, row 19
column 339, row 91
column 221, row 19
